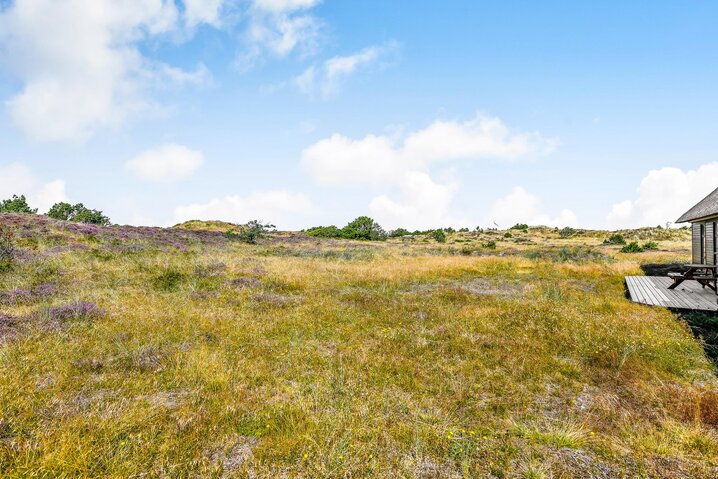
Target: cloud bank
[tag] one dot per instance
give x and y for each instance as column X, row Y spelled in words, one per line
column 663, row 196
column 283, row 208
column 166, row 163
column 18, row 179
column 405, row 164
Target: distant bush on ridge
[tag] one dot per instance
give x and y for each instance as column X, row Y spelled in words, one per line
column 16, row 204
column 252, row 232
column 362, row 228
column 77, row 213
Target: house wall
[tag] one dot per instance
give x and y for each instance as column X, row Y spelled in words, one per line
column 696, row 243
column 705, row 242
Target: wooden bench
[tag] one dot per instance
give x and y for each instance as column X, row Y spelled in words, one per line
column 703, row 279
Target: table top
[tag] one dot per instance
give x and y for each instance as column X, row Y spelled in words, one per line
column 706, row 266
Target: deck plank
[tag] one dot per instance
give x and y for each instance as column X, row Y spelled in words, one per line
column 653, row 290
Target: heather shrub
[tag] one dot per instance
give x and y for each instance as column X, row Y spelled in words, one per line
column 489, row 244
column 7, row 249
column 73, row 311
column 16, row 204
column 508, row 235
column 168, row 280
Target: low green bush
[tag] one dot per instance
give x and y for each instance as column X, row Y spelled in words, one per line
column 615, row 238
column 566, row 232
column 438, row 235
column 650, row 246
column 632, row 247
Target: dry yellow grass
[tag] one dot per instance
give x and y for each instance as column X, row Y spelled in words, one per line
column 300, row 357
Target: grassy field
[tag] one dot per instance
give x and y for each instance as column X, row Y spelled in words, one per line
column 143, row 352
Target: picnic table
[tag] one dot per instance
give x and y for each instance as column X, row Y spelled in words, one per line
column 705, row 274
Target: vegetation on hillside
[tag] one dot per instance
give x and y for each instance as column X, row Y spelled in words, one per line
column 16, row 204
column 77, row 213
column 150, row 352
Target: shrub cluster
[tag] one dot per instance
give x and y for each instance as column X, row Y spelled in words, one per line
column 77, row 213
column 362, row 228
column 567, row 232
column 615, row 238
column 16, row 204
column 634, row 247
column 438, row 235
column 520, row 227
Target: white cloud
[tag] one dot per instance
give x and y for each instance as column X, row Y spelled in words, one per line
column 284, row 6
column 375, row 159
column 203, row 11
column 18, row 179
column 520, row 206
column 80, row 64
column 166, row 163
column 405, row 162
column 282, row 208
column 422, row 204
column 326, row 77
column 279, row 28
column 663, row 196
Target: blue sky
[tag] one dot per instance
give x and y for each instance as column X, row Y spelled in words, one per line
column 306, row 112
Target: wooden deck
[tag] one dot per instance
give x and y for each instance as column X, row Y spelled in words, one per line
column 653, row 290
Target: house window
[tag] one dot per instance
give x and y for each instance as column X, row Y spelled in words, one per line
column 703, row 243
column 715, row 246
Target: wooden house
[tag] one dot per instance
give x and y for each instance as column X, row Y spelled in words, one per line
column 704, row 220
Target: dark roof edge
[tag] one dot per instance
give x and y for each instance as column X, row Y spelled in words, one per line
column 697, row 212
column 697, row 219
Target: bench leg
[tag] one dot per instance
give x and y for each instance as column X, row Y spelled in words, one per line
column 676, row 282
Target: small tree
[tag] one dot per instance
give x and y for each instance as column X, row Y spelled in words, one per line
column 364, row 228
column 520, row 227
column 16, row 204
column 252, row 232
column 86, row 215
column 61, row 211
